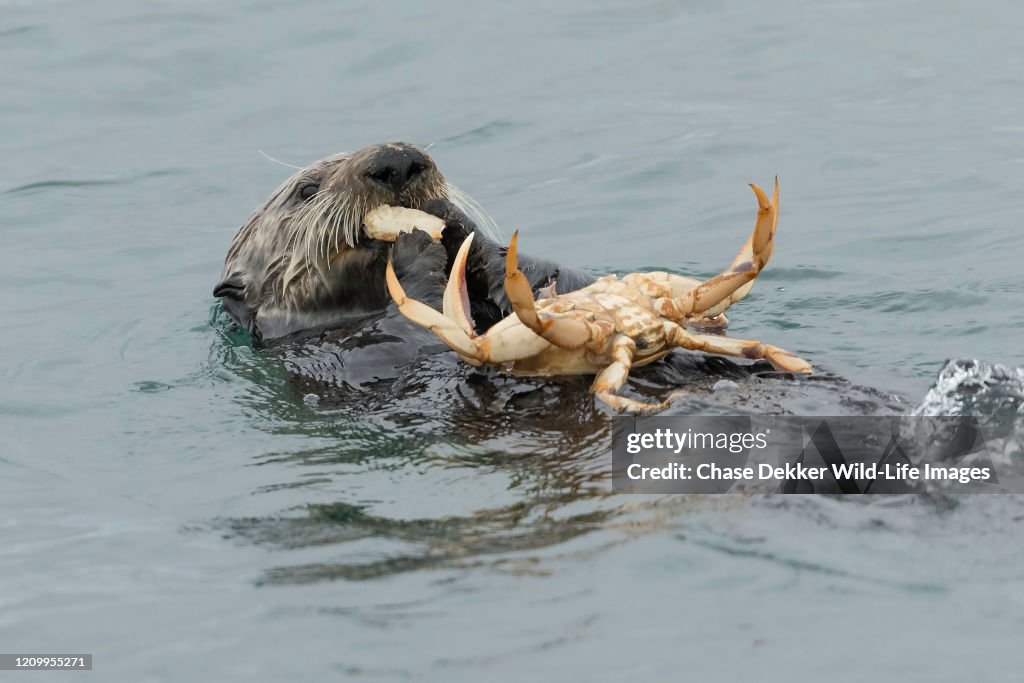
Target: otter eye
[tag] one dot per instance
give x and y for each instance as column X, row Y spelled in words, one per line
column 308, row 190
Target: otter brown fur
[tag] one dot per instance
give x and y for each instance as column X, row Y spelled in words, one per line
column 302, row 261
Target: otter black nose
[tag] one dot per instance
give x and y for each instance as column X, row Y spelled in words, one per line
column 397, row 167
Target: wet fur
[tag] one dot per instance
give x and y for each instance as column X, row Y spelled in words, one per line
column 301, row 262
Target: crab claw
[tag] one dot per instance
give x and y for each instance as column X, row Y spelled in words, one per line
column 451, row 331
column 455, row 303
column 518, row 289
column 564, row 332
column 711, row 297
column 507, row 341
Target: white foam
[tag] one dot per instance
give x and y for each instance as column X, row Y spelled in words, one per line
column 974, row 387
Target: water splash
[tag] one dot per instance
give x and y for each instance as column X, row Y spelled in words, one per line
column 973, row 387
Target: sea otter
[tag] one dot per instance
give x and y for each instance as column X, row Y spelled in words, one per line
column 306, row 282
column 302, row 263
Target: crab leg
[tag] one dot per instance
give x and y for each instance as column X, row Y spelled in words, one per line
column 504, row 342
column 563, row 332
column 741, row 348
column 609, row 382
column 713, row 296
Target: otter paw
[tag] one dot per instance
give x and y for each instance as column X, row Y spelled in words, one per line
column 457, row 225
column 419, row 263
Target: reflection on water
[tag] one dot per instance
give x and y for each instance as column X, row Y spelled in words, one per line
column 545, row 442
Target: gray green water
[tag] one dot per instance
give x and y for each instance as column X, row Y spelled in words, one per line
column 169, row 506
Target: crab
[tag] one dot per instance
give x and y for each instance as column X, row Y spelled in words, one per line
column 608, row 327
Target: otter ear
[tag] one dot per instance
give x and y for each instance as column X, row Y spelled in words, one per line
column 231, row 287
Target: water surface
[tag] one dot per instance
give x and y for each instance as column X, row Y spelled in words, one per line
column 172, row 506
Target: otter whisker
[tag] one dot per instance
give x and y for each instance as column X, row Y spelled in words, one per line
column 345, row 218
column 340, row 211
column 335, row 241
column 278, row 161
column 471, row 208
column 331, row 209
column 304, row 216
column 315, row 214
column 353, row 223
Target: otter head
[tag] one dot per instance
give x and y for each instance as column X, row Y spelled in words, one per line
column 302, row 261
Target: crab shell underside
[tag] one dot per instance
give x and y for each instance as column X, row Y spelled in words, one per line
column 610, row 326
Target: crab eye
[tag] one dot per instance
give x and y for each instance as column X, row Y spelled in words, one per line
column 308, row 190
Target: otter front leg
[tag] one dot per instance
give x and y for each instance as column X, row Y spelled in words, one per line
column 419, row 262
